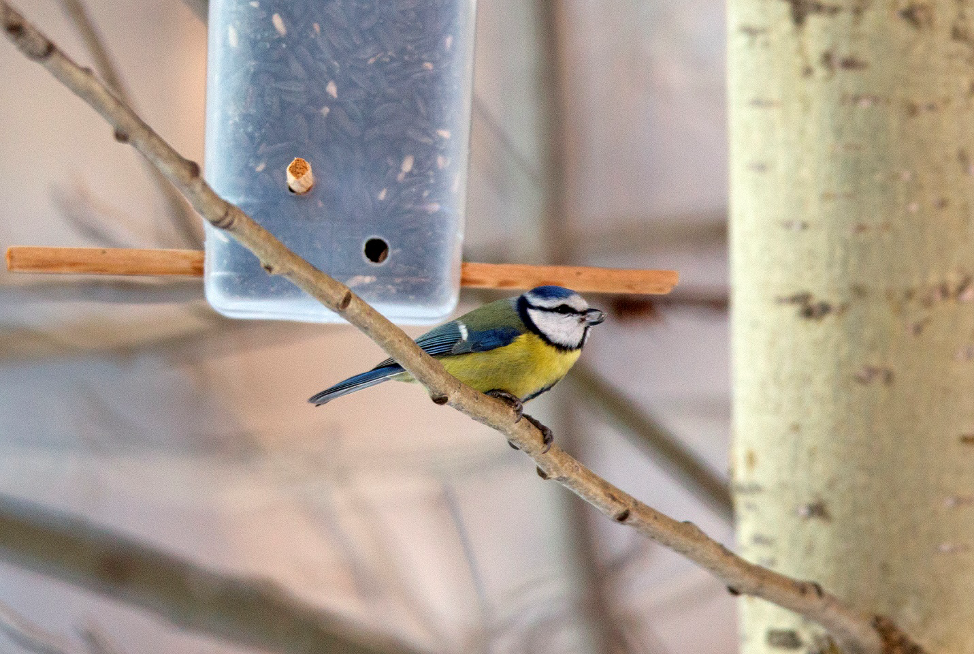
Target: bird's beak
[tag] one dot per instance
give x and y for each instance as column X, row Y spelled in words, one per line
column 594, row 317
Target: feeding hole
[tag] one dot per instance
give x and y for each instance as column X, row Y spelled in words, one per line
column 376, row 250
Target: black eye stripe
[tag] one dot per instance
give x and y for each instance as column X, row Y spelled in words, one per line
column 561, row 308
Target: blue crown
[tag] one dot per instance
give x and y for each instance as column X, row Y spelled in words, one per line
column 551, row 292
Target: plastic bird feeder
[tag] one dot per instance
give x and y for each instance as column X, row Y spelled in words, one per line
column 342, row 126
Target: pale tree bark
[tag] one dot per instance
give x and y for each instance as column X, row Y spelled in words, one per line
column 852, row 132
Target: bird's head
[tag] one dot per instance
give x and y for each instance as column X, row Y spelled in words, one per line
column 559, row 315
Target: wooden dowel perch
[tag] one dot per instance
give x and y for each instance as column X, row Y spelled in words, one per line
column 119, row 261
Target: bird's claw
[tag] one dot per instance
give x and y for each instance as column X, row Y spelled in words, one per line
column 547, row 436
column 518, row 406
column 515, row 402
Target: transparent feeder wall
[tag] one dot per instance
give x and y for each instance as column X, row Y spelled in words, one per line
column 375, row 95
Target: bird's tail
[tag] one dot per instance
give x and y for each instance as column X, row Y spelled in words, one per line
column 358, row 382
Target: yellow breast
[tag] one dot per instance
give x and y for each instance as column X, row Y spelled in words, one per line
column 525, row 367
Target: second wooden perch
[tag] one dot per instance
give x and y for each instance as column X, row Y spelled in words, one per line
column 120, row 261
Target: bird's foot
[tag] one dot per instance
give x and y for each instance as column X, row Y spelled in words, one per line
column 516, row 404
column 512, row 400
column 547, row 437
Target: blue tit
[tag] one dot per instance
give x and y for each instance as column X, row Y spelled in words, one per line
column 514, row 349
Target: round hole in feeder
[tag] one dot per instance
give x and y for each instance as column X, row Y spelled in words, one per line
column 376, row 250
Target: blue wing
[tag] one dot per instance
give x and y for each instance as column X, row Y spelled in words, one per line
column 455, row 338
column 450, row 339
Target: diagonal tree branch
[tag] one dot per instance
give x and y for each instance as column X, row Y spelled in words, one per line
column 250, row 612
column 855, row 631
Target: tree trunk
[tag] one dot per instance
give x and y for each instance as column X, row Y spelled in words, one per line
column 852, row 155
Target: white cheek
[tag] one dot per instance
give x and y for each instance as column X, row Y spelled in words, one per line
column 559, row 329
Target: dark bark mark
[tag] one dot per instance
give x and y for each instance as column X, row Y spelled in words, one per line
column 762, row 540
column 808, row 307
column 859, row 7
column 852, row 63
column 869, row 374
column 817, row 509
column 747, row 489
column 802, row 9
column 828, row 61
column 914, row 109
column 966, row 164
column 962, row 33
column 784, row 639
column 831, row 63
column 795, row 225
column 752, row 31
column 894, row 640
column 962, row 29
column 918, row 14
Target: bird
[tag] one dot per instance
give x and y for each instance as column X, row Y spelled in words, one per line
column 513, row 349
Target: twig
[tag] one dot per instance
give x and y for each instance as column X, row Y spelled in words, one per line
column 129, row 261
column 28, row 635
column 372, row 559
column 598, row 617
column 97, row 642
column 181, row 216
column 855, row 631
column 250, row 612
column 78, row 13
column 452, row 504
column 557, row 213
column 594, row 585
column 108, row 291
column 480, row 112
column 79, row 211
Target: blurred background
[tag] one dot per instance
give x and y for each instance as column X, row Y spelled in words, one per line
column 134, row 421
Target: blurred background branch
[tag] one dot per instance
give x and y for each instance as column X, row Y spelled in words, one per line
column 32, row 638
column 650, row 436
column 251, row 612
column 181, row 216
